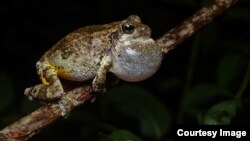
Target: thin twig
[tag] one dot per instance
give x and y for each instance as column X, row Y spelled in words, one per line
column 193, row 24
column 31, row 124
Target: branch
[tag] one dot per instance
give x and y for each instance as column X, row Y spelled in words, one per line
column 33, row 123
column 193, row 24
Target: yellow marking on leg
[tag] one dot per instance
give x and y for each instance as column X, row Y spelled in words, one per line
column 60, row 72
column 64, row 74
column 44, row 81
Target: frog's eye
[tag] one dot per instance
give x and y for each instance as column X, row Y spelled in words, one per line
column 128, row 28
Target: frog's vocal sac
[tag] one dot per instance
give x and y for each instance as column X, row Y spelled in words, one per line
column 124, row 48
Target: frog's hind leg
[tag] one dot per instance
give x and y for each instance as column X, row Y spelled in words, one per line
column 51, row 88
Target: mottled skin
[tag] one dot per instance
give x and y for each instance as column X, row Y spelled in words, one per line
column 124, row 48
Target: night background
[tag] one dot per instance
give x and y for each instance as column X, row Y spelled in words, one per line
column 203, row 81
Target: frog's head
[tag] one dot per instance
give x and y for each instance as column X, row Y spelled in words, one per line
column 135, row 54
column 131, row 28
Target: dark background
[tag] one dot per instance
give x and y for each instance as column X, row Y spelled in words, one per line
column 196, row 83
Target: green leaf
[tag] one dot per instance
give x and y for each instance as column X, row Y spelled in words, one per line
column 230, row 66
column 136, row 102
column 6, row 91
column 201, row 94
column 123, row 135
column 221, row 113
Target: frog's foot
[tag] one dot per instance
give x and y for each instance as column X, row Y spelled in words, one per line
column 99, row 88
column 44, row 92
column 66, row 106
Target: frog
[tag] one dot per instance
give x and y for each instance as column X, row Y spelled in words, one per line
column 124, row 48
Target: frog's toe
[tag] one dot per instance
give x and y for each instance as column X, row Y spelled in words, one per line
column 65, row 106
column 99, row 89
column 32, row 92
column 27, row 93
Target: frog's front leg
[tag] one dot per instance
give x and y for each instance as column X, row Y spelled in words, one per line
column 51, row 89
column 98, row 83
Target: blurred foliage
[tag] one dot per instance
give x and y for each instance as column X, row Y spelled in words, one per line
column 135, row 102
column 203, row 81
column 123, row 135
column 222, row 113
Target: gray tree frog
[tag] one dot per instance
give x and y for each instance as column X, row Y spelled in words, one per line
column 123, row 48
